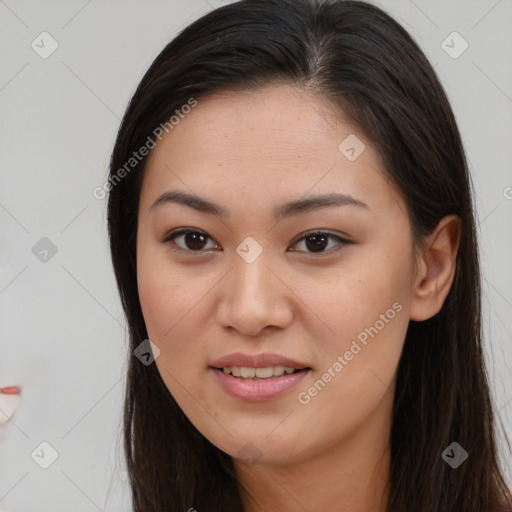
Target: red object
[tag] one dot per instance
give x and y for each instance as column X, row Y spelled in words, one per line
column 10, row 390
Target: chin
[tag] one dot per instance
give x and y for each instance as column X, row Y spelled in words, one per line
column 261, row 447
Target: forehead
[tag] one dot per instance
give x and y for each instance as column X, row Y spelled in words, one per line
column 280, row 142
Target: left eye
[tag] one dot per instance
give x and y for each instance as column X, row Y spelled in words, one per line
column 319, row 240
column 195, row 240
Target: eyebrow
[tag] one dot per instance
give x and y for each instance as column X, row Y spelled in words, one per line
column 289, row 209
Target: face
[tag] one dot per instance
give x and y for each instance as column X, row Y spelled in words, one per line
column 322, row 289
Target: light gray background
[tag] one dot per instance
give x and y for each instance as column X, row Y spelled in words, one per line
column 62, row 334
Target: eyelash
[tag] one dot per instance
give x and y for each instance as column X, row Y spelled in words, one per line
column 183, row 231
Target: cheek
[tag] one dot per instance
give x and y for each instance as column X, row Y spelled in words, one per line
column 168, row 304
column 171, row 305
column 157, row 303
column 356, row 301
column 167, row 297
column 367, row 312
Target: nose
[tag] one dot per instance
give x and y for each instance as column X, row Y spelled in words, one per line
column 254, row 297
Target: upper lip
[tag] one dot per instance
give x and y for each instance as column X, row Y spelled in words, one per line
column 257, row 361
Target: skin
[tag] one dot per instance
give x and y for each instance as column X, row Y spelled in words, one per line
column 250, row 152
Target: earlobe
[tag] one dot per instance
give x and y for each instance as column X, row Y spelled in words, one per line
column 436, row 269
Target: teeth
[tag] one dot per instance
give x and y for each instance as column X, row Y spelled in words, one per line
column 278, row 370
column 264, row 373
column 260, row 373
column 247, row 373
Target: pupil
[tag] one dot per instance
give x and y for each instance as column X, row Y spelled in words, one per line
column 320, row 241
column 192, row 238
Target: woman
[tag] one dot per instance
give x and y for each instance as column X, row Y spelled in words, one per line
column 291, row 225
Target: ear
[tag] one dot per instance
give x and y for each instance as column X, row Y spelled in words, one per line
column 436, row 269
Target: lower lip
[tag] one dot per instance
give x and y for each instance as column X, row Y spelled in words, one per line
column 254, row 390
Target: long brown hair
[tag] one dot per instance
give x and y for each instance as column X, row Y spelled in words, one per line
column 358, row 57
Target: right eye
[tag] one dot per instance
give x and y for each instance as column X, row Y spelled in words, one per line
column 193, row 240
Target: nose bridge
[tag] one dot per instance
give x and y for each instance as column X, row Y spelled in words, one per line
column 252, row 279
column 254, row 296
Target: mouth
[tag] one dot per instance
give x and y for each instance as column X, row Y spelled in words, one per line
column 265, row 373
column 258, row 377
